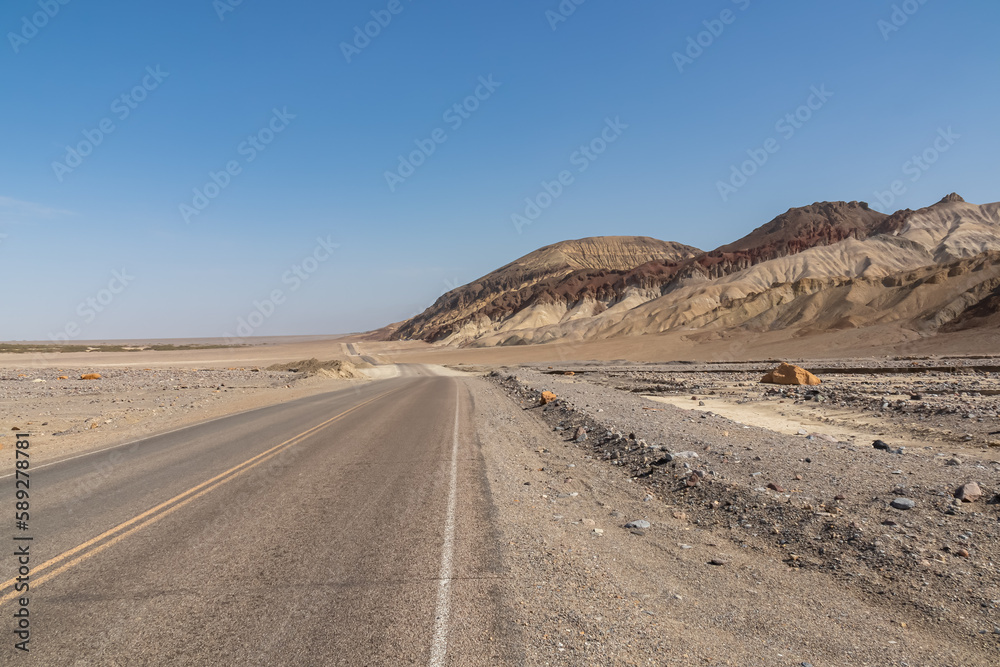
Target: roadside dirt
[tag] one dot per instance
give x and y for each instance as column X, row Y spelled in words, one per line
column 72, row 416
column 822, row 572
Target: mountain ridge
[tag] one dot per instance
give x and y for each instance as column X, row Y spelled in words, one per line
column 585, row 289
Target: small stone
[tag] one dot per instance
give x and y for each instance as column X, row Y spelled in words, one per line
column 589, row 522
column 674, row 456
column 598, row 531
column 903, row 504
column 775, row 487
column 840, row 497
column 641, row 524
column 969, row 493
column 953, row 461
column 718, row 562
column 964, row 553
column 878, row 444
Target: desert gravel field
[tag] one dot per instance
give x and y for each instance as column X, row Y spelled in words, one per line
column 674, row 536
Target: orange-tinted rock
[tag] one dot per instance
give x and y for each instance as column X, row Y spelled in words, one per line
column 789, row 374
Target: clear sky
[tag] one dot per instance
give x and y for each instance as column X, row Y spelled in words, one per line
column 114, row 113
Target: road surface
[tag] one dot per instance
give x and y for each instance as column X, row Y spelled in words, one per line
column 348, row 528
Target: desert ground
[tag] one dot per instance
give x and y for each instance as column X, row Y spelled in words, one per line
column 670, row 509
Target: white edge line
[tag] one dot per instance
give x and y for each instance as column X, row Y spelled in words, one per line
column 439, row 648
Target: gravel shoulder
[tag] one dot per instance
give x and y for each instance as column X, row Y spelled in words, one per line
column 819, row 569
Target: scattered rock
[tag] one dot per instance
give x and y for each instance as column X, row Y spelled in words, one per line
column 903, row 504
column 641, row 524
column 547, row 397
column 969, row 493
column 90, row 376
column 775, row 487
column 878, row 444
column 718, row 562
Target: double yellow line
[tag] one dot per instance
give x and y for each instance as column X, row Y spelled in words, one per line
column 111, row 537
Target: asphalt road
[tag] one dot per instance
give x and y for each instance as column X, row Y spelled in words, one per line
column 348, row 528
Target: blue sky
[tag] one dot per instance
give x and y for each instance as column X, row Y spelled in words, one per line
column 208, row 85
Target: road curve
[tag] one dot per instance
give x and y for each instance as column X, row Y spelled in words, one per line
column 350, row 528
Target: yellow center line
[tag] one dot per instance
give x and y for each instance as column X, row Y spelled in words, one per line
column 177, row 501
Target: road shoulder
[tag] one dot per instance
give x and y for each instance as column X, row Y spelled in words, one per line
column 587, row 590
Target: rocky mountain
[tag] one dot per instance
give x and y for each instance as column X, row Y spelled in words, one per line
column 830, row 265
column 530, row 278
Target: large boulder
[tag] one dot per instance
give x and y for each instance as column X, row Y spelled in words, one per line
column 789, row 374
